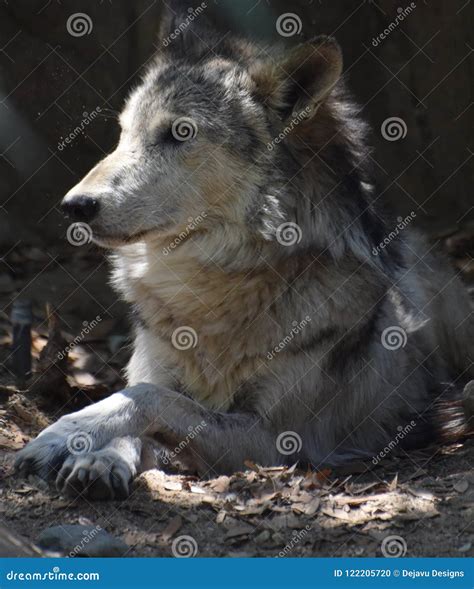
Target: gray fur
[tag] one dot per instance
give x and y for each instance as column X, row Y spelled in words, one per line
column 332, row 384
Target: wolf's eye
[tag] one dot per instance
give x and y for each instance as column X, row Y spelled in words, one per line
column 166, row 137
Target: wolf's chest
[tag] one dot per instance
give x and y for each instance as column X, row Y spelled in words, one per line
column 211, row 330
column 210, row 359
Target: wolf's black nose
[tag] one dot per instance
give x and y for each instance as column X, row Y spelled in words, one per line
column 80, row 207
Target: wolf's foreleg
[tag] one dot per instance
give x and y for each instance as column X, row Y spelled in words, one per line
column 207, row 441
column 106, row 438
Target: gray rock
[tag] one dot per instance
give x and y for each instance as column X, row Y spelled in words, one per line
column 77, row 540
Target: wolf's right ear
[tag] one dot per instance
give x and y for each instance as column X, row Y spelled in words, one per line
column 301, row 80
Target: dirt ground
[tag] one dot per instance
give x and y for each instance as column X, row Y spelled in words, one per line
column 420, row 504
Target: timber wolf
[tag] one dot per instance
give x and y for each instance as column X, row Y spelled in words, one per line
column 270, row 324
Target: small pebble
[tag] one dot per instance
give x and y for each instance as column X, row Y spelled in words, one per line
column 76, row 540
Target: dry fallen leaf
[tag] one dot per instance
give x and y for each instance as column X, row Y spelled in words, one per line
column 27, row 412
column 393, row 484
column 11, row 441
column 220, row 485
column 172, row 528
column 252, row 466
column 308, row 509
column 422, row 494
column 84, row 379
column 221, row 517
column 198, row 490
column 173, row 486
column 252, row 509
column 323, row 475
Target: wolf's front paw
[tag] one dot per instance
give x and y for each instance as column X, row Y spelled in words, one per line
column 98, row 475
column 43, row 456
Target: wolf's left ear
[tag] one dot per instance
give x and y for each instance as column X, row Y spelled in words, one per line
column 302, row 79
column 182, row 41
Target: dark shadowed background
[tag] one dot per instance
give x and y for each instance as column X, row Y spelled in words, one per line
column 66, row 67
column 411, row 61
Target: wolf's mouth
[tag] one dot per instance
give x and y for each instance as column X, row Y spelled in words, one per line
column 117, row 240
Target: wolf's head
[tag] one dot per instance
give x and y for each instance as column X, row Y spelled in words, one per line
column 225, row 132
